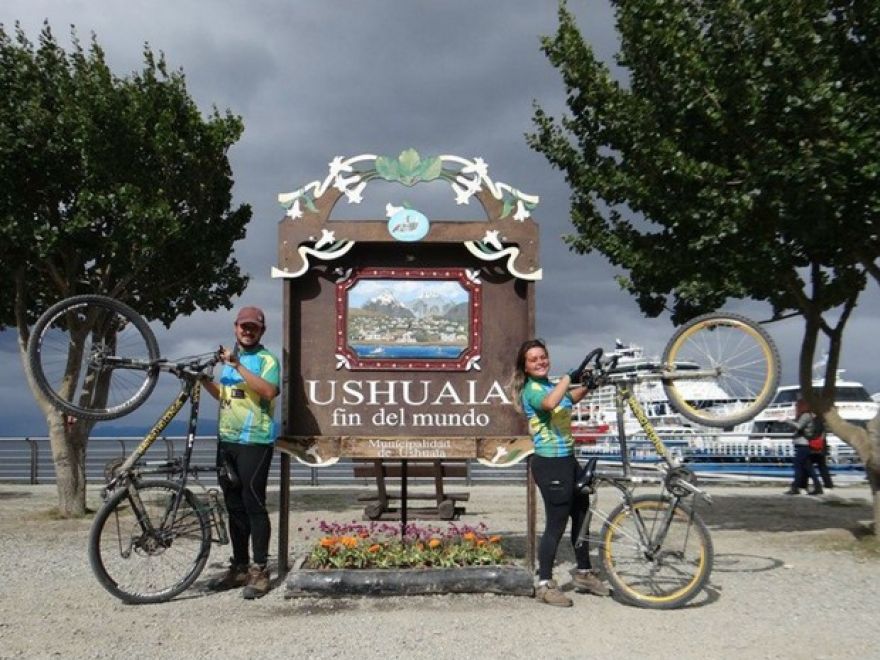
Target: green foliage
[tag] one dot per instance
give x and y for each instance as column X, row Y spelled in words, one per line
column 740, row 155
column 114, row 185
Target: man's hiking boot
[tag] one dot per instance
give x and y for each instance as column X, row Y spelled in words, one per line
column 235, row 577
column 550, row 594
column 589, row 582
column 257, row 583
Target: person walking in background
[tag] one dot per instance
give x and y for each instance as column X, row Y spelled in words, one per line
column 804, row 425
column 554, row 467
column 246, row 390
column 818, row 458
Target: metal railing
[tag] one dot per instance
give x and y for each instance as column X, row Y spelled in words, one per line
column 29, row 460
column 734, row 455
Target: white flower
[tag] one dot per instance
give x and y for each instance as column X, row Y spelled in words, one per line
column 337, row 165
column 294, row 211
column 354, row 196
column 479, row 166
column 391, row 210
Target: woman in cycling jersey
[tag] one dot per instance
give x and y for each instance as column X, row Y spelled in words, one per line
column 548, row 407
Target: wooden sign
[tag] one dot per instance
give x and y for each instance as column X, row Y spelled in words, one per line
column 400, row 333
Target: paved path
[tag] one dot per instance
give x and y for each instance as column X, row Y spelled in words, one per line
column 791, row 580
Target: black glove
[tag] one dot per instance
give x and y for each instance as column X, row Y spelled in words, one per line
column 577, row 374
column 592, row 380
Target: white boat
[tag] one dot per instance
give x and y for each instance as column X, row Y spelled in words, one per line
column 761, row 447
column 853, row 404
column 595, row 417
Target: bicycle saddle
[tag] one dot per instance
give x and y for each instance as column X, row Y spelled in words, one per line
column 585, row 476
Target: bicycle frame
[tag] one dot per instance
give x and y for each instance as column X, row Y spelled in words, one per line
column 624, row 394
column 625, row 481
column 190, row 391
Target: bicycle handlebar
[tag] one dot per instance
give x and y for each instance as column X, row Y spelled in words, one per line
column 192, row 367
column 600, row 369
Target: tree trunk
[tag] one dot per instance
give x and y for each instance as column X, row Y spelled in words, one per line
column 866, row 442
column 874, row 480
column 69, row 455
column 67, row 437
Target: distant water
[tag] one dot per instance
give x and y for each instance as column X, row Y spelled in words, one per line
column 404, row 351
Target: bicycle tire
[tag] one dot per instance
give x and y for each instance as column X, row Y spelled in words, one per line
column 746, row 362
column 667, row 578
column 138, row 567
column 97, row 328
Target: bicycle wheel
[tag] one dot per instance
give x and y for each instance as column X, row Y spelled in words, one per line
column 153, row 558
column 744, row 362
column 652, row 565
column 90, row 356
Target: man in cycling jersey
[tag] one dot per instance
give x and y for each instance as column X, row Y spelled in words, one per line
column 247, row 387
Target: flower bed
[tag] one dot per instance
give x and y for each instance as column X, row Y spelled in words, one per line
column 380, row 545
column 375, row 559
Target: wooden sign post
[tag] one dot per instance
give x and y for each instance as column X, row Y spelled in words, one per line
column 399, row 333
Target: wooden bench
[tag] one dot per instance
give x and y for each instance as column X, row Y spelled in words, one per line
column 445, row 503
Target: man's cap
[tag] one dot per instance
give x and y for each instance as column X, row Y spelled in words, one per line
column 251, row 315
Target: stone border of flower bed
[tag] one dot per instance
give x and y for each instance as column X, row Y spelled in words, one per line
column 508, row 580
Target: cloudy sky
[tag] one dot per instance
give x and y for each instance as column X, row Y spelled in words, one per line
column 314, row 79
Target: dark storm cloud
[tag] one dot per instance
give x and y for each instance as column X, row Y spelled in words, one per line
column 315, row 79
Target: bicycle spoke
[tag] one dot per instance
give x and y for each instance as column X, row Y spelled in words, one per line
column 89, row 354
column 744, row 357
column 654, row 559
column 142, row 558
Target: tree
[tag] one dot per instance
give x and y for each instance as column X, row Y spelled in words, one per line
column 739, row 159
column 113, row 185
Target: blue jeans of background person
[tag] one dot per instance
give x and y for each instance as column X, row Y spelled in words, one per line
column 803, row 467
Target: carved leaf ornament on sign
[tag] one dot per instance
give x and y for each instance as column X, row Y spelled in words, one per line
column 467, row 178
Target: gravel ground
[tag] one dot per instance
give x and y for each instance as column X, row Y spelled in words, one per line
column 794, row 577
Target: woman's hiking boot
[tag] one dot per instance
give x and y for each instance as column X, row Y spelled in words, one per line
column 550, row 594
column 589, row 582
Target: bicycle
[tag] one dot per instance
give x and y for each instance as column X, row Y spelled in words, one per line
column 656, row 550
column 151, row 537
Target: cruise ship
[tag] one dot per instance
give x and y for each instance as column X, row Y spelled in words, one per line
column 760, row 448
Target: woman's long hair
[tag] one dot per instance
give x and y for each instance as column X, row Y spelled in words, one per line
column 518, row 379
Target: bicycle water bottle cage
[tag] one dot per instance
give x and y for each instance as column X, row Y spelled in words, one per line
column 585, row 477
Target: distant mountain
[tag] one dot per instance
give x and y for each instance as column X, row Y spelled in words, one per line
column 387, row 304
column 430, row 304
column 459, row 312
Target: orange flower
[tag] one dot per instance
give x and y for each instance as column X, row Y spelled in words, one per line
column 469, row 536
column 495, row 539
column 363, row 533
column 434, row 543
column 374, row 548
column 328, row 542
column 349, row 541
column 481, row 542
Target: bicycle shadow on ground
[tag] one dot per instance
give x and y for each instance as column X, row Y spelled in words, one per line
column 788, row 513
